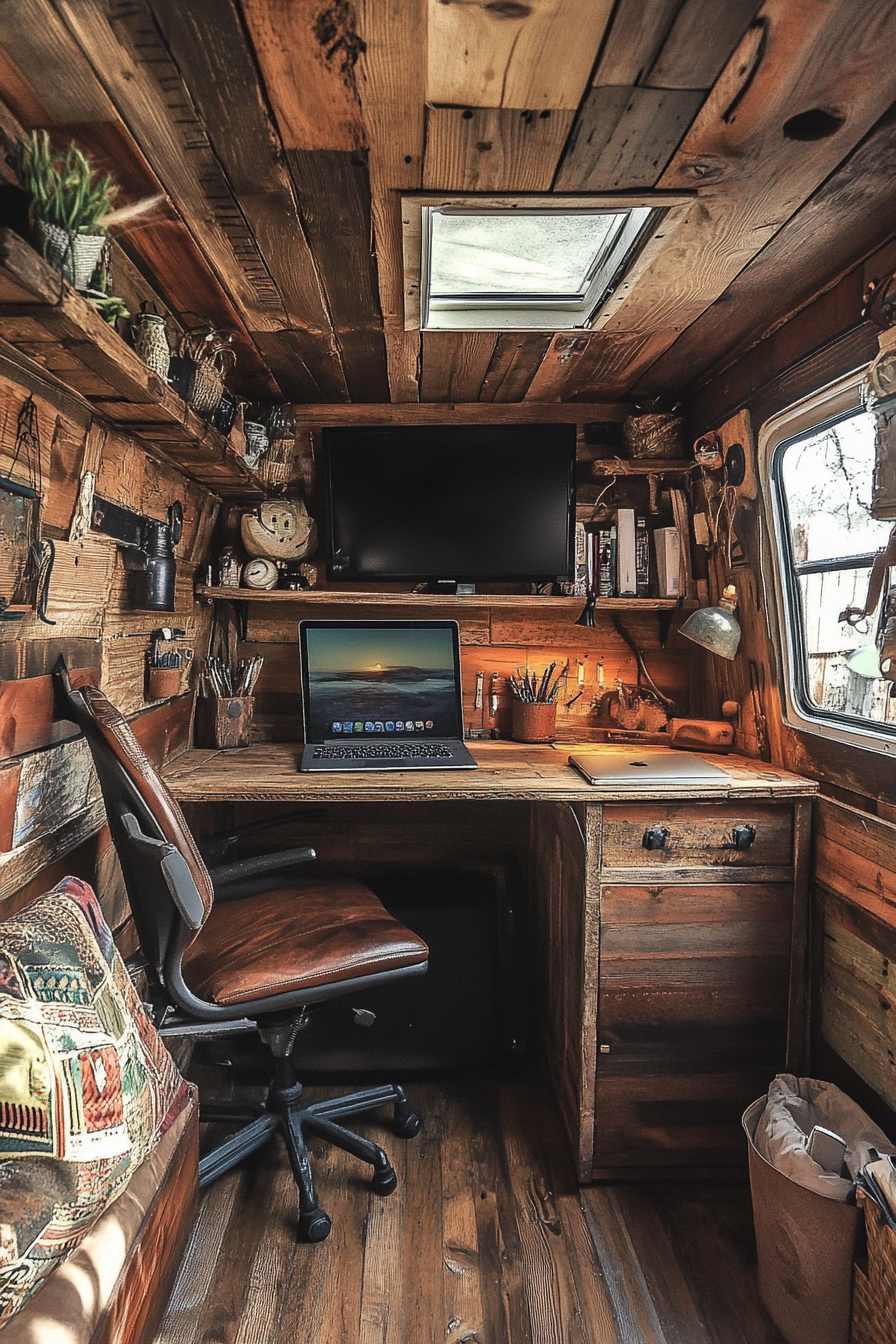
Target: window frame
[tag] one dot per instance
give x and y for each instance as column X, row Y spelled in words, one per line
column 822, row 409
column 631, row 253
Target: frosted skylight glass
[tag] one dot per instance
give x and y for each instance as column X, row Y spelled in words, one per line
column 508, row 253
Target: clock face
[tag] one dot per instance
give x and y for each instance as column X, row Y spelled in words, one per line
column 260, row 573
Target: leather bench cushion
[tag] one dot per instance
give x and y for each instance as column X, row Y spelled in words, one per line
column 70, row 1306
column 296, row 938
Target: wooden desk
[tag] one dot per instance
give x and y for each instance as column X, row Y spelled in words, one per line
column 507, row 770
column 672, row 983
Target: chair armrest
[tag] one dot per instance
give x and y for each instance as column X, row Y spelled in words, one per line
column 228, row 873
column 174, row 869
column 213, row 848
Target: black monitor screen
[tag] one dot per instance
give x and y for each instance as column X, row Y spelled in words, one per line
column 451, row 502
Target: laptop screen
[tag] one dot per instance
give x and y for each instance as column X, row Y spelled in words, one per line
column 364, row 679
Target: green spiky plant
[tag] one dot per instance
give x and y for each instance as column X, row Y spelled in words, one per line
column 64, row 188
column 110, row 309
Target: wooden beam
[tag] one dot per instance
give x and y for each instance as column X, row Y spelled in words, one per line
column 210, row 50
column 455, row 364
column 334, row 193
column 849, row 215
column 494, row 148
column 701, row 40
column 634, row 41
column 307, row 52
column 580, row 365
column 391, row 77
column 471, row 413
column 624, row 137
column 754, row 178
column 534, row 55
column 514, row 363
column 129, row 58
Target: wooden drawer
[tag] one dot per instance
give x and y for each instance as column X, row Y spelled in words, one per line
column 700, row 835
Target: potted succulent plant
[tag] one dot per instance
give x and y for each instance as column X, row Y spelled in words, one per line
column 71, row 205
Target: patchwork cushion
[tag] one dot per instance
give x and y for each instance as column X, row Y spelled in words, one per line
column 86, row 1086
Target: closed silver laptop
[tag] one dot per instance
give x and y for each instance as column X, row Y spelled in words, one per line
column 654, row 768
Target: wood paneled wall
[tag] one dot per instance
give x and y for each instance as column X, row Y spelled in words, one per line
column 854, row 870
column 500, row 640
column 52, row 820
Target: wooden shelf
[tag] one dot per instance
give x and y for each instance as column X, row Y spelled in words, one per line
column 43, row 317
column 323, row 596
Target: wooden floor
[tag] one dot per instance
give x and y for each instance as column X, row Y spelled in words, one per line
column 486, row 1241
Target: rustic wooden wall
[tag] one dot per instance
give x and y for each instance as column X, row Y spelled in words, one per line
column 853, row 866
column 51, row 815
column 499, row 639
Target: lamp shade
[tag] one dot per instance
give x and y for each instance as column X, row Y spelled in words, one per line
column 716, row 628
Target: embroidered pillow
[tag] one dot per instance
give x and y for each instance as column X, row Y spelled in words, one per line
column 86, row 1086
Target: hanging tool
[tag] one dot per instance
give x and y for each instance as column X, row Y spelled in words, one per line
column 477, row 697
column 39, row 569
column 493, row 696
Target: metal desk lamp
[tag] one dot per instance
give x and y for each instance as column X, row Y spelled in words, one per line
column 716, row 628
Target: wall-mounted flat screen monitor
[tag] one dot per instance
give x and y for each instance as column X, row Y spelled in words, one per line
column 464, row 502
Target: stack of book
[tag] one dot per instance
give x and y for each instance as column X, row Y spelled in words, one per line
column 620, row 557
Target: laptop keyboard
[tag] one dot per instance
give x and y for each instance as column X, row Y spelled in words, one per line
column 389, row 751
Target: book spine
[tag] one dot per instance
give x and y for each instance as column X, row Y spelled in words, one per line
column 642, row 557
column 626, row 567
column 606, row 572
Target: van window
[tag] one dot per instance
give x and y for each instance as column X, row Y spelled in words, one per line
column 829, row 541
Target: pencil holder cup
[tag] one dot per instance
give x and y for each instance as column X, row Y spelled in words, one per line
column 162, row 683
column 225, row 722
column 534, row 722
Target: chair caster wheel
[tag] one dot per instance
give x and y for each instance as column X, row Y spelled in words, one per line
column 314, row 1226
column 384, row 1182
column 407, row 1126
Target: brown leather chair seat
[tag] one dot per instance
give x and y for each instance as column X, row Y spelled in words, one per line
column 294, row 938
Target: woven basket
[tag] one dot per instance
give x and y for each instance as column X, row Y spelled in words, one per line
column 874, row 1290
column 653, row 435
column 275, row 468
column 76, row 255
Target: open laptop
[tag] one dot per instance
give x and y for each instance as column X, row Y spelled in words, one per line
column 382, row 695
column 653, row 768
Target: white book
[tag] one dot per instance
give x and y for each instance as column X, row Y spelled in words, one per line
column 626, row 559
column 668, row 561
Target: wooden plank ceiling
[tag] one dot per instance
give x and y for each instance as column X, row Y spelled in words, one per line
column 283, row 132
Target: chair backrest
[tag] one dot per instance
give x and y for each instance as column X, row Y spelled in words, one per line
column 131, row 784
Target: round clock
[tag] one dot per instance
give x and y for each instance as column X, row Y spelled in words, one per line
column 260, row 573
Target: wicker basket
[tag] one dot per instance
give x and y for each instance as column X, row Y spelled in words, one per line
column 654, row 435
column 874, row 1286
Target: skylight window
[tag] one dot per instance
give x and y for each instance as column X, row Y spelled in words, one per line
column 548, row 265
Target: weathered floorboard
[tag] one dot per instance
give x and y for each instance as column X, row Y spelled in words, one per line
column 486, row 1238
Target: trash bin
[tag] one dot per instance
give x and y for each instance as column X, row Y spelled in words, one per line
column 806, row 1240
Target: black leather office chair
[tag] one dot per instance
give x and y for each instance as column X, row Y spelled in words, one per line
column 236, row 946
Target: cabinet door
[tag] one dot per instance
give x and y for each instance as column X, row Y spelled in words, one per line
column 692, row 1018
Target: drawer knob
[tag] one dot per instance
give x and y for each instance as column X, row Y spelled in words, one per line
column 656, row 837
column 743, row 836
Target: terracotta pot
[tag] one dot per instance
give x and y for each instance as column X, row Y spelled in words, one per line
column 534, row 723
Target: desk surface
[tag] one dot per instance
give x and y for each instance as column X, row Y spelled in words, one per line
column 269, row 773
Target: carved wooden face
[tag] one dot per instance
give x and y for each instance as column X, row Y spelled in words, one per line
column 279, row 529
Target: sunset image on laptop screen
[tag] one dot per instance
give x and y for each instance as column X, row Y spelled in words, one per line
column 389, row 681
